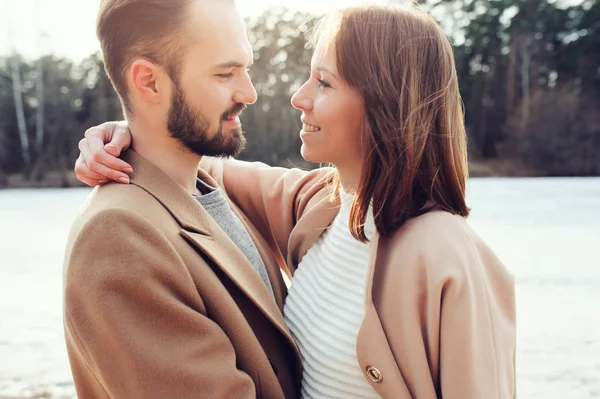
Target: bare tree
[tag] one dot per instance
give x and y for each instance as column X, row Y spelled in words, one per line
column 15, row 70
column 39, row 120
column 511, row 77
column 526, row 47
column 42, row 47
column 20, row 112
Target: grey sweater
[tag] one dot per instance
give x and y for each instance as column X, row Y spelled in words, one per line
column 215, row 203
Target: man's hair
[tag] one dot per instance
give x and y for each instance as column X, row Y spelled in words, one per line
column 402, row 64
column 132, row 29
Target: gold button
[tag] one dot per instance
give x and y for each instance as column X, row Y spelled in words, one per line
column 374, row 374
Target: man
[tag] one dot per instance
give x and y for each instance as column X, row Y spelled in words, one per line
column 169, row 291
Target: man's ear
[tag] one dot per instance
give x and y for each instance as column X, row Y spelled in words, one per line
column 145, row 80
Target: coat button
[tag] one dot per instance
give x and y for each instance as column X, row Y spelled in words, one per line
column 374, row 374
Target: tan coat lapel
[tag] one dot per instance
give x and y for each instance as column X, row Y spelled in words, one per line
column 203, row 232
column 271, row 264
column 311, row 225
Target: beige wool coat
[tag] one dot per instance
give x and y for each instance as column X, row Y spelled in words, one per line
column 440, row 306
column 160, row 303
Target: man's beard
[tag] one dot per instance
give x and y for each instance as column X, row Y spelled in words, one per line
column 191, row 129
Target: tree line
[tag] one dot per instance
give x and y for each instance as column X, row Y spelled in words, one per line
column 529, row 73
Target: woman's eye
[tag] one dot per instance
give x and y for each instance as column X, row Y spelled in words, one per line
column 323, row 83
column 225, row 75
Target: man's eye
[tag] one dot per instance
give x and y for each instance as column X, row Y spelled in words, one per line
column 225, row 75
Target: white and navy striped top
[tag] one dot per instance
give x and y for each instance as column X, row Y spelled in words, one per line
column 325, row 307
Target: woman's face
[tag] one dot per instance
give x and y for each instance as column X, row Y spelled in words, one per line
column 332, row 114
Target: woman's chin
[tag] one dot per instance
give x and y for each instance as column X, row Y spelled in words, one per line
column 309, row 156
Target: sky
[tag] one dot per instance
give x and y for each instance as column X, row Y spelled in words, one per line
column 67, row 27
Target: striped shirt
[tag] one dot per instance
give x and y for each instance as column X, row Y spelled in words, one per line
column 325, row 308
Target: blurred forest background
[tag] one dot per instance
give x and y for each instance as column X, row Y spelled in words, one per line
column 529, row 72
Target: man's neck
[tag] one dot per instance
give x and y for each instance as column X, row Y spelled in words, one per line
column 164, row 152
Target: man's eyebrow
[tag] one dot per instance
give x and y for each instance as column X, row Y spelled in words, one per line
column 234, row 64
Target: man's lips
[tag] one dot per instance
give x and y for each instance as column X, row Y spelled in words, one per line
column 233, row 118
column 235, row 114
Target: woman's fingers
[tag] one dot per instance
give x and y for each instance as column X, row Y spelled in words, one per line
column 85, row 175
column 95, row 140
column 96, row 161
column 92, row 182
column 120, row 141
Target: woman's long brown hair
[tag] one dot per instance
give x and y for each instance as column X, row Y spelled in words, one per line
column 414, row 137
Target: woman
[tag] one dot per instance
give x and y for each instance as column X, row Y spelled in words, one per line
column 393, row 294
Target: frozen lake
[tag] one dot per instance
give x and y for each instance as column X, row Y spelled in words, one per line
column 547, row 231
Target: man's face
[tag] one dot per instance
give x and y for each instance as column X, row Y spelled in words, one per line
column 193, row 129
column 213, row 86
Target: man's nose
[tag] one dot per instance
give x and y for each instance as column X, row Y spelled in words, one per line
column 246, row 93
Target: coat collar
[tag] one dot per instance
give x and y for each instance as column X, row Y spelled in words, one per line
column 184, row 208
column 201, row 231
column 312, row 224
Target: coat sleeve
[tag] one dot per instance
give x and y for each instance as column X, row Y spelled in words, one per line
column 478, row 330
column 447, row 305
column 134, row 322
column 274, row 198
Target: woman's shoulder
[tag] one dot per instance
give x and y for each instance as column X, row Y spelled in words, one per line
column 441, row 243
column 435, row 226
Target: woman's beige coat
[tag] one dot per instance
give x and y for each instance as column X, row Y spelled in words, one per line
column 440, row 306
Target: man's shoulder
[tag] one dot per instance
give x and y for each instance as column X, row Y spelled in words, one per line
column 119, row 199
column 118, row 225
column 118, row 209
column 128, row 196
